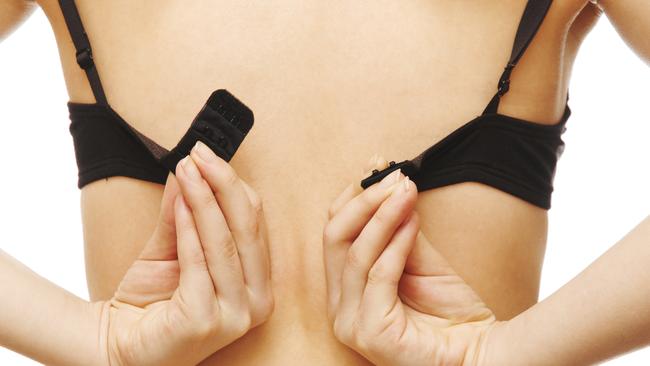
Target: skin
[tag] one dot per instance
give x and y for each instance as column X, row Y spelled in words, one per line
column 201, row 282
column 629, row 17
column 392, row 297
column 500, row 257
column 12, row 13
column 493, row 256
column 584, row 335
column 109, row 249
column 397, row 301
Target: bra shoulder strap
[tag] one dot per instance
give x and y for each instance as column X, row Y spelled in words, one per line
column 82, row 45
column 530, row 23
column 222, row 124
column 85, row 60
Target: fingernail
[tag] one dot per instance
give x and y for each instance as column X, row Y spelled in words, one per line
column 391, row 179
column 406, row 185
column 190, row 169
column 372, row 160
column 203, row 151
column 371, row 164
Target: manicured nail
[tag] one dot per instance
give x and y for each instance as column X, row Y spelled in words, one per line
column 203, row 151
column 374, row 161
column 190, row 169
column 183, row 162
column 371, row 164
column 391, row 179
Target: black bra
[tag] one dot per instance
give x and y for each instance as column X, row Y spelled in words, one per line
column 513, row 155
column 106, row 145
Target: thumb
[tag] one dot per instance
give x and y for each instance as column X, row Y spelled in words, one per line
column 162, row 245
column 425, row 260
column 431, row 286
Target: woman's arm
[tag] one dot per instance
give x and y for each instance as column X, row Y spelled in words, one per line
column 197, row 286
column 631, row 18
column 397, row 301
column 603, row 312
column 12, row 13
column 45, row 322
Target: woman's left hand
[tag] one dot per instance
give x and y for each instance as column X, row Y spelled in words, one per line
column 391, row 296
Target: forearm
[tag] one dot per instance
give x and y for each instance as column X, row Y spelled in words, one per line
column 45, row 322
column 632, row 21
column 603, row 312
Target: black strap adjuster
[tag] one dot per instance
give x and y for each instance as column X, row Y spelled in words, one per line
column 85, row 58
column 504, row 81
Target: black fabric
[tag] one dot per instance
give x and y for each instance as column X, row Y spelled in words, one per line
column 222, row 124
column 513, row 155
column 87, row 63
column 106, row 145
column 82, row 45
column 105, row 148
column 531, row 21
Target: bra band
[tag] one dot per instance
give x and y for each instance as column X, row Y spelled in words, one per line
column 513, row 155
column 222, row 124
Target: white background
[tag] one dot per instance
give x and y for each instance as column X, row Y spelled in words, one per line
column 601, row 185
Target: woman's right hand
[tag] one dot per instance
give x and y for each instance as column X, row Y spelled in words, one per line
column 203, row 280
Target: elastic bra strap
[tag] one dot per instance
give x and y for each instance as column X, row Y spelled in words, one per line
column 82, row 45
column 87, row 63
column 530, row 23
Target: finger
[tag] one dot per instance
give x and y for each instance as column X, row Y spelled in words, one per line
column 352, row 217
column 352, row 190
column 430, row 285
column 343, row 228
column 241, row 214
column 217, row 242
column 195, row 282
column 263, row 305
column 253, row 197
column 381, row 291
column 371, row 242
column 162, row 245
column 448, row 297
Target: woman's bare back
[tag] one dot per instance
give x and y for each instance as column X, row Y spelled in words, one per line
column 331, row 83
